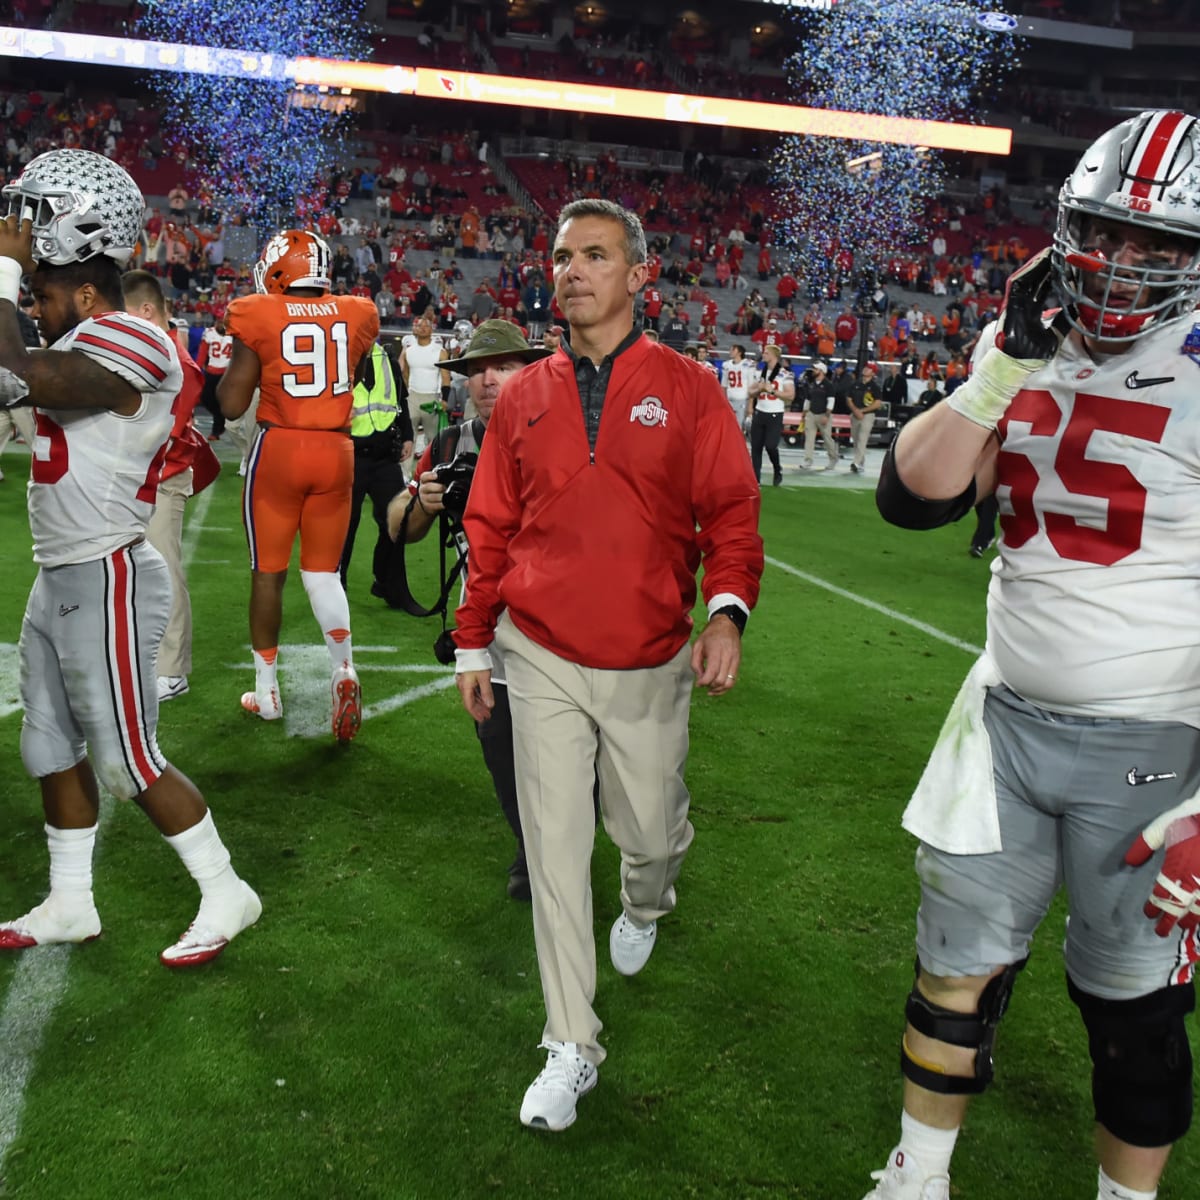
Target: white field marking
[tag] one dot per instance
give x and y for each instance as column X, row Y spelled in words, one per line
column 304, row 675
column 930, row 630
column 40, row 979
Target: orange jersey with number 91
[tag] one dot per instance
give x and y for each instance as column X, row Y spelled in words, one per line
column 309, row 348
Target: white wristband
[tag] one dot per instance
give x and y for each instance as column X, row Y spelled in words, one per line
column 10, row 280
column 985, row 397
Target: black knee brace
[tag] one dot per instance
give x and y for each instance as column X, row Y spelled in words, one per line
column 1141, row 1063
column 974, row 1031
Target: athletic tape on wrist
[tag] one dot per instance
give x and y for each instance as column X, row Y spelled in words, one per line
column 985, row 397
column 10, row 280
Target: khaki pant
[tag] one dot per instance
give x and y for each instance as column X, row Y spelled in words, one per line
column 425, row 424
column 571, row 723
column 860, row 435
column 165, row 534
column 242, row 429
column 814, row 423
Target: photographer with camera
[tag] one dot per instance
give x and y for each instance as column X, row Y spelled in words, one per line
column 440, row 485
column 382, row 434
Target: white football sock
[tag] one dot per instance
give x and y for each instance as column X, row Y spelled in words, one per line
column 71, row 866
column 931, row 1147
column 207, row 861
column 264, row 671
column 1116, row 1191
column 332, row 610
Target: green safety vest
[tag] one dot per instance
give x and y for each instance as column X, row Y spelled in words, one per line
column 375, row 409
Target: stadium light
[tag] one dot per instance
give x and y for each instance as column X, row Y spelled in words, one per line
column 508, row 90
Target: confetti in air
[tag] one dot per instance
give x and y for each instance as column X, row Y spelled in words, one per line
column 255, row 145
column 938, row 60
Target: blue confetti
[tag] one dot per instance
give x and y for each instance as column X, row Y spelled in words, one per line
column 835, row 197
column 255, row 146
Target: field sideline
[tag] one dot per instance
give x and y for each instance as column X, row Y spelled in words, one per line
column 373, row 1035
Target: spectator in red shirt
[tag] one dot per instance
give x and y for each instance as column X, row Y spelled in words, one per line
column 845, row 329
column 652, row 305
column 785, row 288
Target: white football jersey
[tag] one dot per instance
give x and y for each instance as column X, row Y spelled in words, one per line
column 1093, row 601
column 738, row 378
column 220, row 351
column 94, row 473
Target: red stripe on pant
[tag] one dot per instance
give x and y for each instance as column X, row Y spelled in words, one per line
column 129, row 715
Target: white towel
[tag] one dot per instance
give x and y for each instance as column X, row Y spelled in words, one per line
column 954, row 806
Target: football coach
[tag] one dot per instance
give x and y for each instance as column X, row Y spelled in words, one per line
column 612, row 470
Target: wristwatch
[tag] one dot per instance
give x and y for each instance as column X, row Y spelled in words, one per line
column 735, row 614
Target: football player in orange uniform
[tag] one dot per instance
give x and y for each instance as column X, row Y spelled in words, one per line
column 303, row 348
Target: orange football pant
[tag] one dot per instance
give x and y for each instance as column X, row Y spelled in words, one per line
column 297, row 481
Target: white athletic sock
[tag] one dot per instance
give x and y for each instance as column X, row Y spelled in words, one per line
column 332, row 610
column 207, row 861
column 1116, row 1191
column 264, row 671
column 931, row 1147
column 71, row 866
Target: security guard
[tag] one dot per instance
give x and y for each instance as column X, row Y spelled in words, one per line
column 382, row 433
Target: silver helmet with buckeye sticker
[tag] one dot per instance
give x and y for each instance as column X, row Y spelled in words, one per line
column 1144, row 172
column 81, row 205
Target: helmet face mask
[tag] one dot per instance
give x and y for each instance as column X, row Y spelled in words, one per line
column 293, row 258
column 1127, row 246
column 81, row 205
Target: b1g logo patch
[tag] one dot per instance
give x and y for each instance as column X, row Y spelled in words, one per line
column 1191, row 344
column 649, row 412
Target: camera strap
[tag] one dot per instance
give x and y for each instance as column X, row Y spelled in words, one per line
column 396, row 591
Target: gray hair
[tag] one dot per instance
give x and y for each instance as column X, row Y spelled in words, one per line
column 635, row 235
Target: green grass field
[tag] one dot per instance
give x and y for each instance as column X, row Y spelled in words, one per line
column 373, row 1035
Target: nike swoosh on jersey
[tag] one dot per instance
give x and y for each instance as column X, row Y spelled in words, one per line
column 66, row 609
column 534, row 420
column 1133, row 381
column 1135, row 780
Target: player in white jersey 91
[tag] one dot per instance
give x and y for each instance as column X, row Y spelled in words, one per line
column 103, row 395
column 1071, row 757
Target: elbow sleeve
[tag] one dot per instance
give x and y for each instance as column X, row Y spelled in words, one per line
column 898, row 506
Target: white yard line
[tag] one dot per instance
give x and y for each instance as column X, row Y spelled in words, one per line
column 40, row 979
column 929, row 630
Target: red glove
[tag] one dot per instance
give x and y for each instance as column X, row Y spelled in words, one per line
column 1175, row 900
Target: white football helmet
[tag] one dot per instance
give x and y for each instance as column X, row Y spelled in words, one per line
column 293, row 258
column 1144, row 172
column 81, row 204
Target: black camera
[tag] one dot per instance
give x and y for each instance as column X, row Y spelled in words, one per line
column 455, row 476
column 443, row 648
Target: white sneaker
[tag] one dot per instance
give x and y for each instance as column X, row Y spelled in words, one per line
column 903, row 1179
column 48, row 925
column 269, row 707
column 551, row 1098
column 347, row 703
column 629, row 945
column 170, row 686
column 212, row 930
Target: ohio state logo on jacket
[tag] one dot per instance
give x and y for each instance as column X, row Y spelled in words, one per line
column 649, row 412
